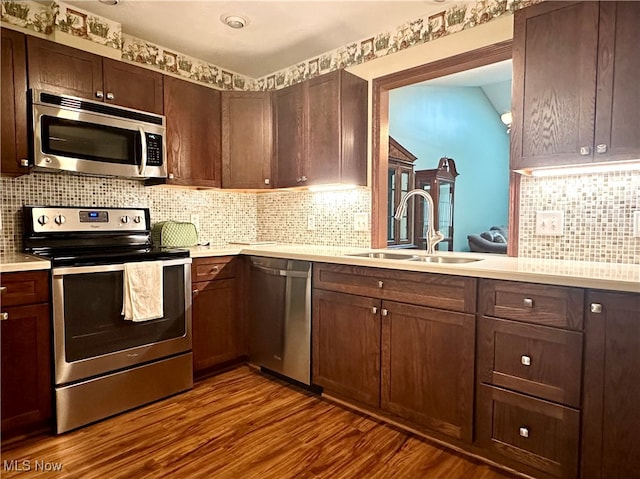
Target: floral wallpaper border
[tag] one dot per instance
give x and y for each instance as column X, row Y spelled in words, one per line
column 58, row 16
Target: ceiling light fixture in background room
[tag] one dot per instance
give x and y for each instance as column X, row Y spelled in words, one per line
column 234, row 21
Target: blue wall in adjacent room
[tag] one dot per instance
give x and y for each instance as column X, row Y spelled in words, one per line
column 461, row 123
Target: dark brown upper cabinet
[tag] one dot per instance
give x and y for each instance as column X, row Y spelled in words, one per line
column 321, row 131
column 247, row 140
column 193, row 134
column 62, row 69
column 14, row 104
column 576, row 95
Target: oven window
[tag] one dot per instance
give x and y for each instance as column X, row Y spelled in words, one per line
column 93, row 320
column 90, row 141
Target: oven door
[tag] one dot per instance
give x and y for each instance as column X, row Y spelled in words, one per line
column 91, row 336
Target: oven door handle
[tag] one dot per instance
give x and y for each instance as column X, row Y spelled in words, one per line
column 143, row 143
column 105, row 268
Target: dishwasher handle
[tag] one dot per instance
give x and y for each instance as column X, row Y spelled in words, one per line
column 281, row 272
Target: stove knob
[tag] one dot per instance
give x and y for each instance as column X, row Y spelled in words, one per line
column 137, row 219
column 60, row 219
column 43, row 220
column 125, row 219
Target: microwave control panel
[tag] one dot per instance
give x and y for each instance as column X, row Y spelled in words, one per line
column 154, row 149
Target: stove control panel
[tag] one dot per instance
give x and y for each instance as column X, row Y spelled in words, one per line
column 70, row 219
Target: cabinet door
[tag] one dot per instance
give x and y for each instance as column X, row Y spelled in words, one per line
column 132, row 86
column 611, row 412
column 554, row 84
column 427, row 367
column 323, row 129
column 215, row 324
column 14, row 103
column 193, row 133
column 617, row 133
column 61, row 69
column 26, row 369
column 246, row 140
column 346, row 345
column 289, row 136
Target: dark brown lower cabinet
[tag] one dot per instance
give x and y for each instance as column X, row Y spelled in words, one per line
column 26, row 369
column 611, row 404
column 346, row 345
column 216, row 314
column 427, row 367
column 518, row 430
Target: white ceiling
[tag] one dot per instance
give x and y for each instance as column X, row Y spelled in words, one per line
column 279, row 34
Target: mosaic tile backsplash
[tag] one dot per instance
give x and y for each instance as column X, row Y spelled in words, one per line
column 223, row 216
column 598, row 217
column 280, row 216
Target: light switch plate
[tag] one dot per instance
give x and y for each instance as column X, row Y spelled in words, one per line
column 636, row 224
column 311, row 222
column 361, row 222
column 550, row 223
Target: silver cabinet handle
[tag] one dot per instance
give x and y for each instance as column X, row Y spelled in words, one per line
column 585, row 150
column 374, row 310
column 303, row 178
column 380, row 284
column 596, row 308
column 601, row 148
column 528, row 302
column 99, row 94
column 110, row 96
column 384, row 312
column 195, row 291
column 24, row 162
column 3, row 289
column 4, row 316
column 267, row 181
column 524, row 431
column 171, row 176
column 525, row 360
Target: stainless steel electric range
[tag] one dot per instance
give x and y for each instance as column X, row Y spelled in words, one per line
column 104, row 364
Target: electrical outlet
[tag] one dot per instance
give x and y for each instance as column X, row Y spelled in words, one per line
column 195, row 219
column 311, row 222
column 361, row 222
column 636, row 224
column 550, row 223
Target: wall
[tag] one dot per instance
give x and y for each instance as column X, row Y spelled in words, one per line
column 461, row 123
column 598, row 217
column 223, row 216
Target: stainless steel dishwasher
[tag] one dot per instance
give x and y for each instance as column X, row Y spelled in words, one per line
column 280, row 316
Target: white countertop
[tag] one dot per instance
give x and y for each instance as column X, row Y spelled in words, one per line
column 608, row 276
column 13, row 262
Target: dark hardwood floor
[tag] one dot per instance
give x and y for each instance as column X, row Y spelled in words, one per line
column 240, row 424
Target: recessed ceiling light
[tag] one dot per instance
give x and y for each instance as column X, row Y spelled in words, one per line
column 109, row 2
column 234, row 21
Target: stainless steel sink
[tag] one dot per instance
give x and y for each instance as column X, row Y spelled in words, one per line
column 445, row 259
column 382, row 255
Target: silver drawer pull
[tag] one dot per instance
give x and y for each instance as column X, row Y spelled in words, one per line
column 3, row 289
column 525, row 360
column 99, row 94
column 4, row 316
column 528, row 302
column 601, row 148
column 380, row 284
column 585, row 150
column 110, row 96
column 374, row 310
column 524, row 431
column 596, row 308
column 384, row 312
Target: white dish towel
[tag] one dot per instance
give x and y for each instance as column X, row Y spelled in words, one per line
column 142, row 295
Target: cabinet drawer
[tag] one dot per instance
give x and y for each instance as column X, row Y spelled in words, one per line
column 534, row 303
column 455, row 293
column 525, row 431
column 28, row 287
column 218, row 267
column 536, row 360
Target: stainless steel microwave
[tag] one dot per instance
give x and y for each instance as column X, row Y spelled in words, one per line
column 94, row 138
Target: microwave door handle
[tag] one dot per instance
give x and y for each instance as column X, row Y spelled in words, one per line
column 143, row 143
